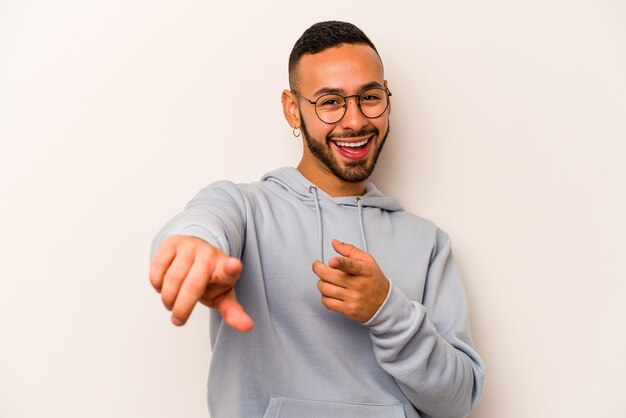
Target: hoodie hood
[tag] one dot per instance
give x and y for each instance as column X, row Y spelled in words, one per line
column 299, row 186
column 295, row 183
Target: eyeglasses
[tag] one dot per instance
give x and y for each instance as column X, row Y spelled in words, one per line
column 330, row 108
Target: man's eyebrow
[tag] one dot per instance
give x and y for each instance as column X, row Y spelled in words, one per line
column 371, row 85
column 342, row 92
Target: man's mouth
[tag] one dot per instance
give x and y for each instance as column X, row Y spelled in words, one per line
column 354, row 150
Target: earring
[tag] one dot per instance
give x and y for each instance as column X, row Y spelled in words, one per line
column 296, row 134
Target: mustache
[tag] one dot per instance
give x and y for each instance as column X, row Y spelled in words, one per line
column 360, row 133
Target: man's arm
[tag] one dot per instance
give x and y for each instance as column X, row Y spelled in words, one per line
column 192, row 256
column 425, row 346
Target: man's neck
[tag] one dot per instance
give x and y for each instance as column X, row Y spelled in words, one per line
column 329, row 183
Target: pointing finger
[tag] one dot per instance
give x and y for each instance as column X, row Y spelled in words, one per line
column 329, row 274
column 233, row 312
column 318, row 268
column 326, row 273
column 349, row 250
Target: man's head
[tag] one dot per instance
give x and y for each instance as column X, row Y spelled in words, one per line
column 337, row 58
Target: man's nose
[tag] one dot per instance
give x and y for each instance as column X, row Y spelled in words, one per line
column 353, row 118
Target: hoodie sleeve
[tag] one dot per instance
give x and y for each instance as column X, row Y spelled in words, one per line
column 217, row 214
column 427, row 347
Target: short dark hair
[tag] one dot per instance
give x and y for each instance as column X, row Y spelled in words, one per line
column 324, row 35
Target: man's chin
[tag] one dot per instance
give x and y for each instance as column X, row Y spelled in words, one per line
column 354, row 171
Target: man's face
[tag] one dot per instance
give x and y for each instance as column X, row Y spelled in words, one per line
column 346, row 70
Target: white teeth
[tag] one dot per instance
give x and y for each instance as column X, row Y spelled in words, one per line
column 351, row 144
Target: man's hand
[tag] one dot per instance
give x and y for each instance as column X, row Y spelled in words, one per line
column 187, row 270
column 353, row 284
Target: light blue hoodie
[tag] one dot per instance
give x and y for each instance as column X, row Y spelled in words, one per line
column 413, row 358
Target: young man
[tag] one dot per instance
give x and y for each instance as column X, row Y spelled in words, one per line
column 330, row 300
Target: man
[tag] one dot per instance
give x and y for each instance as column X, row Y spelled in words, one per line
column 330, row 300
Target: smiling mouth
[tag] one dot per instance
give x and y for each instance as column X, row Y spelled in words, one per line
column 353, row 150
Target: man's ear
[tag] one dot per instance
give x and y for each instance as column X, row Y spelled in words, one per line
column 290, row 109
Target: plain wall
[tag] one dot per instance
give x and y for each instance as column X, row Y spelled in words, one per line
column 508, row 130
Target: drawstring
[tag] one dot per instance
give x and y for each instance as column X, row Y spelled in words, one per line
column 359, row 204
column 318, row 212
column 313, row 189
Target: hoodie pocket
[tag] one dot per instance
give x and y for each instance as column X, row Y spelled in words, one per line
column 299, row 408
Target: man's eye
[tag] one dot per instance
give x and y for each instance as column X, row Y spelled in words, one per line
column 330, row 102
column 370, row 97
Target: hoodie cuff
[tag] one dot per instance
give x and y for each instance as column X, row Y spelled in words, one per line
column 396, row 312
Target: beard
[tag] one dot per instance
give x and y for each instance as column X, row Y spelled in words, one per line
column 352, row 171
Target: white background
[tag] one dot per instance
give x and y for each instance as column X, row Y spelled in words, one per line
column 508, row 130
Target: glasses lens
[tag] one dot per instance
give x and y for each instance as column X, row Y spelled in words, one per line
column 374, row 102
column 330, row 108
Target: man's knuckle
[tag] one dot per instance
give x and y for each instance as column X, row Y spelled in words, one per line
column 204, row 256
column 157, row 263
column 174, row 275
column 196, row 287
column 171, row 240
column 329, row 303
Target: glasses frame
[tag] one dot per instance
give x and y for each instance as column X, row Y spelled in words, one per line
column 345, row 103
